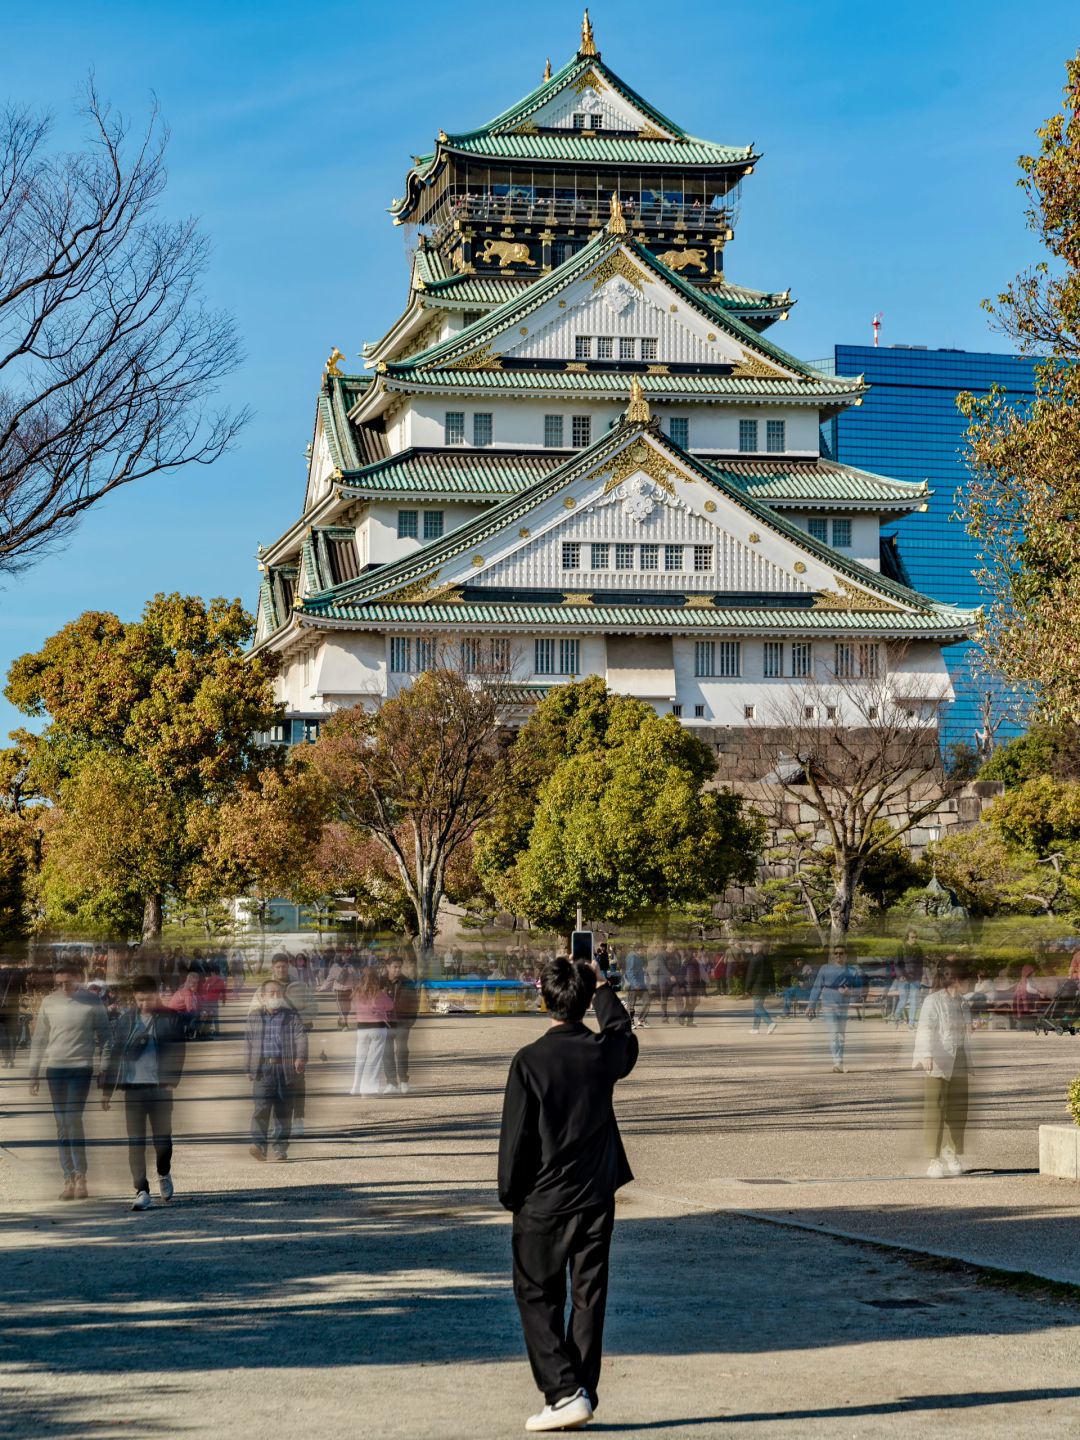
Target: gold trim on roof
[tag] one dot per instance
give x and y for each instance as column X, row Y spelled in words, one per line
column 482, row 359
column 416, row 592
column 700, row 602
column 589, row 81
column 528, row 128
column 849, row 597
column 617, row 264
column 588, row 41
column 752, row 367
column 571, row 598
column 641, row 456
column 547, row 68
column 650, row 132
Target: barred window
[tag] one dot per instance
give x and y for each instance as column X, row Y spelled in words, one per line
column 841, row 534
column 580, row 431
column 600, row 558
column 703, row 558
column 624, row 557
column 774, row 659
column 801, row 655
column 571, row 555
column 676, row 710
column 775, row 436
column 455, row 427
column 583, row 347
column 568, row 657
column 673, row 557
column 818, row 529
column 728, row 659
column 748, row 436
column 704, row 657
column 482, row 428
column 472, row 655
column 626, row 348
column 545, row 657
column 648, row 349
column 400, row 655
column 869, row 661
column 845, row 661
column 433, row 524
column 605, row 347
column 748, row 712
column 699, row 712
column 500, row 654
column 553, row 432
column 650, row 557
column 408, row 524
column 679, row 430
column 425, row 655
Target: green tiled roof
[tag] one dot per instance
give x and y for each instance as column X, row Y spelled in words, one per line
column 939, row 621
column 612, row 385
column 454, row 472
column 339, row 394
column 510, row 512
column 809, row 480
column 496, row 138
column 517, row 307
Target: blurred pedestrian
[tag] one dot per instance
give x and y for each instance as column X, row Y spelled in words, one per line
column 404, row 1006
column 637, row 988
column 943, row 1053
column 831, row 993
column 371, row 1011
column 276, row 1052
column 761, row 983
column 72, row 1027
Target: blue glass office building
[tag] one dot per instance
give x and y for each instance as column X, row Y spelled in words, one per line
column 909, row 427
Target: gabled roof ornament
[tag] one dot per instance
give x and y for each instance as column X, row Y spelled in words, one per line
column 616, row 224
column 588, row 44
column 638, row 412
column 547, row 68
column 332, row 362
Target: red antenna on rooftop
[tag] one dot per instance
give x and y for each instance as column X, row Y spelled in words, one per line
column 876, row 326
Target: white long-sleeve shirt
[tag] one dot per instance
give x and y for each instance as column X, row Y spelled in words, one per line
column 69, row 1029
column 944, row 1024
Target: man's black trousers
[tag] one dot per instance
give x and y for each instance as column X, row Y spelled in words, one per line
column 153, row 1105
column 564, row 1356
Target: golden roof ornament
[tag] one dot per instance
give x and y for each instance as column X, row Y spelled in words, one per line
column 332, row 362
column 638, row 412
column 616, row 224
column 547, row 68
column 588, row 44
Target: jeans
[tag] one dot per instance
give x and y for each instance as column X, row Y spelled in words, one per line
column 835, row 1026
column 761, row 1015
column 9, row 1038
column 68, row 1089
column 396, row 1055
column 143, row 1105
column 272, row 1094
column 909, row 994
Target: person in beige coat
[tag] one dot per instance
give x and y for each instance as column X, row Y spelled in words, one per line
column 943, row 1053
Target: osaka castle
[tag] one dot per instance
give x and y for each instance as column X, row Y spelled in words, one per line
column 579, row 451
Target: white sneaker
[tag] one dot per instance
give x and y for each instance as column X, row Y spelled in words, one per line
column 165, row 1187
column 936, row 1170
column 953, row 1163
column 141, row 1201
column 772, row 1027
column 570, row 1413
column 403, row 1088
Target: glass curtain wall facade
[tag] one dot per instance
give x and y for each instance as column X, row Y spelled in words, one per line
column 909, row 427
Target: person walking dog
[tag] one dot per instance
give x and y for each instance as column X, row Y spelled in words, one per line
column 561, row 1160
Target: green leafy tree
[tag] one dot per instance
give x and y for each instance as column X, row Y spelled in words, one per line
column 1022, row 503
column 622, row 821
column 1045, row 750
column 150, row 723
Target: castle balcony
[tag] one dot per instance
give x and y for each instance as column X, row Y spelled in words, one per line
column 646, row 212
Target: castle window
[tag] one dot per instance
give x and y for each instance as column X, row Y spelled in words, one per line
column 579, row 120
column 400, row 655
column 673, row 557
column 748, row 443
column 583, row 347
column 571, row 555
column 703, row 558
column 553, row 432
column 774, row 659
column 841, row 534
column 455, row 427
column 775, row 441
column 500, row 654
column 408, row 524
column 699, row 712
column 679, row 430
column 472, row 651
column 648, row 349
column 844, row 667
column 676, row 710
column 482, row 428
column 605, row 347
column 580, row 431
column 624, row 557
column 748, row 712
column 801, row 655
column 600, row 558
column 425, row 655
column 818, row 529
column 650, row 557
column 568, row 657
column 544, row 657
column 626, row 348
column 433, row 524
column 869, row 661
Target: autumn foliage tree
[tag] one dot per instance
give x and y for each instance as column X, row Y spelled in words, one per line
column 151, row 724
column 1023, row 503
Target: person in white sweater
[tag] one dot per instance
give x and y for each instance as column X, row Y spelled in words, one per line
column 943, row 1053
column 72, row 1026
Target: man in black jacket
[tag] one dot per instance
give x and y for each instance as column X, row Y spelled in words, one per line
column 560, row 1162
column 145, row 1061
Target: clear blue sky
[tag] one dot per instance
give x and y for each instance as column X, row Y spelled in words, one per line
column 889, row 132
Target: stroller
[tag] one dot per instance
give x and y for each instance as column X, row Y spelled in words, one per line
column 1062, row 1013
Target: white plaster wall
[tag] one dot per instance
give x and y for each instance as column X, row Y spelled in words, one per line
column 617, row 113
column 381, row 542
column 865, row 535
column 675, row 343
column 350, row 664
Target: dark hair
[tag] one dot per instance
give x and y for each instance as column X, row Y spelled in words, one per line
column 142, row 983
column 568, row 987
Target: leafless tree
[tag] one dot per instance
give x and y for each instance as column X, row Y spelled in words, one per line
column 859, row 748
column 108, row 356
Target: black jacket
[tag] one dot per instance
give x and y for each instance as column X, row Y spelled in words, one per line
column 169, row 1034
column 559, row 1146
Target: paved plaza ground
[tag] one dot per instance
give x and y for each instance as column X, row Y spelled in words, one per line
column 363, row 1288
